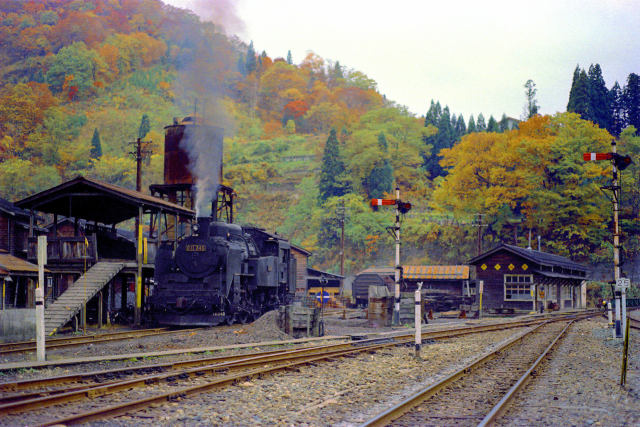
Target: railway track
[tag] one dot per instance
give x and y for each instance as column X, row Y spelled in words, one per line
column 52, row 343
column 133, row 386
column 478, row 393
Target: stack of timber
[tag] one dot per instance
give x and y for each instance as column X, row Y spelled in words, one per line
column 298, row 320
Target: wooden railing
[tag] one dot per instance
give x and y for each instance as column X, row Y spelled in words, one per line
column 66, row 249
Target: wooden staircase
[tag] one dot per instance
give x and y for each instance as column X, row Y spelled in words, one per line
column 79, row 293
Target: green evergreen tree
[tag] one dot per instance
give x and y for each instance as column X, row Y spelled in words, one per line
column 492, row 125
column 251, row 64
column 531, row 107
column 504, row 123
column 380, row 178
column 335, row 74
column 332, row 180
column 445, row 138
column 289, row 58
column 631, row 97
column 598, row 98
column 579, row 94
column 481, row 125
column 471, row 128
column 145, row 126
column 241, row 65
column 96, row 146
column 617, row 113
column 454, row 132
column 461, row 127
column 433, row 116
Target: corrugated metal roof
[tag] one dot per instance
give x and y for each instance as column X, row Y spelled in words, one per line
column 437, row 272
column 14, row 264
column 434, row 272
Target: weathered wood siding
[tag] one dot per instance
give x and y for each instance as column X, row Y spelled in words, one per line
column 301, row 271
column 493, row 296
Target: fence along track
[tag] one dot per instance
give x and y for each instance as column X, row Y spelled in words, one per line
column 468, row 396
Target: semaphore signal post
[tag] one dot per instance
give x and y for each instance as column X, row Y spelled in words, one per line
column 401, row 207
column 618, row 163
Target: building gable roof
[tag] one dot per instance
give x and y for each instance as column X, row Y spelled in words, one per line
column 8, row 207
column 538, row 257
column 95, row 200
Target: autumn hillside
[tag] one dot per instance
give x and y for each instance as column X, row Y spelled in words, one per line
column 81, row 80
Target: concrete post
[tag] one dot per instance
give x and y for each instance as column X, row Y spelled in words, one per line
column 40, row 324
column 618, row 324
column 42, row 260
column 623, row 301
column 418, row 318
column 100, row 308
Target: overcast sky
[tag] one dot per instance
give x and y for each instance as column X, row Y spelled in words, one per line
column 473, row 56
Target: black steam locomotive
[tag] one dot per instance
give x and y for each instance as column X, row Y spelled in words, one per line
column 222, row 273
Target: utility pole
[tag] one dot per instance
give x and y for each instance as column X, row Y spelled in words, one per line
column 479, row 224
column 141, row 153
column 340, row 211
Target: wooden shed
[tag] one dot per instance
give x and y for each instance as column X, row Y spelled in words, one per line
column 451, row 279
column 525, row 279
column 302, row 262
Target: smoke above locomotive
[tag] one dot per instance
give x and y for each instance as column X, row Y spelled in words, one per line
column 193, row 156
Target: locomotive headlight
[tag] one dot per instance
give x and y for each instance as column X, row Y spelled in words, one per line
column 196, row 228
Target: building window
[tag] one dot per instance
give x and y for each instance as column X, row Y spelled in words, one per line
column 566, row 292
column 517, row 287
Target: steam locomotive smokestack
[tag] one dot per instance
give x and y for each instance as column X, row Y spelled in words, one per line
column 203, row 226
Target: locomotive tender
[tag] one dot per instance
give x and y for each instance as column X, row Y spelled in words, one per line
column 222, row 272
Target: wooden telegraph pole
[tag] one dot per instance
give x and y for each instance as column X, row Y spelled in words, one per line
column 141, row 153
column 340, row 211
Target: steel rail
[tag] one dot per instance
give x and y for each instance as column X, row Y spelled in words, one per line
column 94, row 375
column 286, row 364
column 221, row 381
column 13, row 345
column 413, row 401
column 242, row 361
column 88, row 339
column 499, row 409
column 449, row 333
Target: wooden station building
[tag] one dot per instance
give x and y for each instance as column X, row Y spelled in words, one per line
column 516, row 278
column 88, row 259
column 17, row 275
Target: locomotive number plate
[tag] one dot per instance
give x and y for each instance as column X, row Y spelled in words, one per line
column 196, row 248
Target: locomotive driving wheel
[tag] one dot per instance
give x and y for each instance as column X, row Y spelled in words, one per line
column 229, row 319
column 243, row 317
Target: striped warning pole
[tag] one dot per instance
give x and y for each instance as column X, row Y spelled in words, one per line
column 418, row 318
